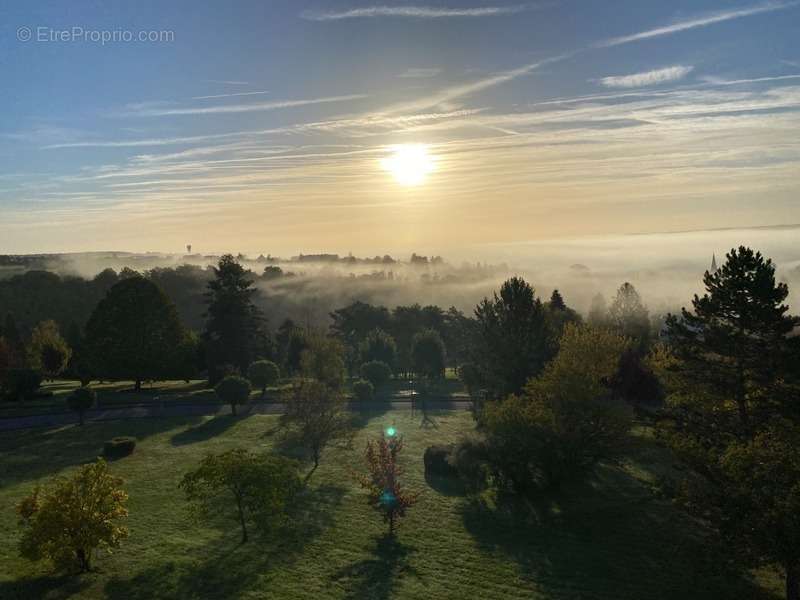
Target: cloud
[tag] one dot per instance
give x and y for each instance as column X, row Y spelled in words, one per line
column 654, row 77
column 700, row 21
column 238, row 108
column 420, row 73
column 229, row 95
column 418, row 12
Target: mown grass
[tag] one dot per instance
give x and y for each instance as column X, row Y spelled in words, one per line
column 609, row 537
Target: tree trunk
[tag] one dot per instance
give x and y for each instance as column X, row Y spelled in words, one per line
column 263, row 392
column 84, row 559
column 233, row 408
column 793, row 582
column 138, row 386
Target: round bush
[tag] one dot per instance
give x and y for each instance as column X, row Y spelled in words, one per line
column 376, row 372
column 263, row 373
column 363, row 390
column 437, row 461
column 469, row 460
column 118, row 447
column 233, row 390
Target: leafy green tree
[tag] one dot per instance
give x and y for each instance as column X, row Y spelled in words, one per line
column 79, row 366
column 133, row 332
column 58, row 525
column 382, row 482
column 291, row 341
column 734, row 345
column 259, row 486
column 750, row 492
column 47, row 350
column 378, row 346
column 628, row 315
column 15, row 343
column 233, row 390
column 262, row 374
column 363, row 390
column 514, row 340
column 377, row 373
column 428, row 354
column 353, row 323
column 566, row 420
column 234, row 325
column 323, row 360
column 315, row 417
column 81, row 400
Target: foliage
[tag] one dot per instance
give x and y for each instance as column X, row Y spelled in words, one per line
column 259, row 486
column 291, row 341
column 316, row 416
column 628, row 316
column 428, row 354
column 514, row 341
column 566, row 420
column 382, row 482
column 262, row 374
column 634, row 382
column 233, row 390
column 469, row 459
column 378, row 346
column 119, row 447
column 734, row 345
column 22, row 384
column 437, row 461
column 363, row 390
column 376, row 372
column 81, row 400
column 66, row 522
column 323, row 360
column 47, row 350
column 234, row 333
column 133, row 332
column 598, row 311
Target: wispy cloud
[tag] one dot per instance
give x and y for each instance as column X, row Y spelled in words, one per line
column 653, row 77
column 227, row 82
column 418, row 12
column 420, row 73
column 700, row 21
column 239, row 108
column 229, row 95
column 720, row 81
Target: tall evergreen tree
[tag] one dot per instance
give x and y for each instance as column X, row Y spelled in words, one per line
column 736, row 340
column 234, row 334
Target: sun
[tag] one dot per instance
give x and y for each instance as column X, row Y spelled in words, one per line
column 409, row 164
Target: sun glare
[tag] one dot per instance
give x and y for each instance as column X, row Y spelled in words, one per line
column 409, row 164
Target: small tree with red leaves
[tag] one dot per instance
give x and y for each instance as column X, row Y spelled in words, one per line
column 386, row 493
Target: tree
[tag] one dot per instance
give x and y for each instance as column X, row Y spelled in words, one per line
column 233, row 390
column 734, row 344
column 376, row 372
column 598, row 311
column 557, row 301
column 316, row 416
column 15, row 343
column 234, row 326
column 428, row 354
column 5, row 362
column 81, row 400
column 566, row 420
column 291, row 342
column 629, row 316
column 514, row 341
column 260, row 486
column 750, row 491
column 133, row 332
column 263, row 373
column 47, row 350
column 634, row 382
column 363, row 390
column 59, row 525
column 382, row 482
column 378, row 346
column 323, row 360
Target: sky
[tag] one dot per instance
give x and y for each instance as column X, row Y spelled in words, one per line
column 278, row 126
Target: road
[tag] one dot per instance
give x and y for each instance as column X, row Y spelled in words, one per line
column 207, row 409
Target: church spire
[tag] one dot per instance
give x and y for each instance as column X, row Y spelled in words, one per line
column 713, row 263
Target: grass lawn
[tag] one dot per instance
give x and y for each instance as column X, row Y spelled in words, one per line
column 609, row 537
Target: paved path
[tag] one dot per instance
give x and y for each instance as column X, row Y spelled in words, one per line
column 208, row 409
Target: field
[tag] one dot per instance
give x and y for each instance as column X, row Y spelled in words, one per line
column 610, row 537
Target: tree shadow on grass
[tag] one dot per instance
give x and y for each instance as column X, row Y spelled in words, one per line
column 43, row 588
column 227, row 568
column 206, row 430
column 375, row 577
column 606, row 537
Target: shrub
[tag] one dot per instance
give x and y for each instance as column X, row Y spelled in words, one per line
column 437, row 461
column 363, row 390
column 468, row 458
column 119, row 447
column 22, row 384
column 81, row 400
column 376, row 372
column 233, row 390
column 263, row 373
